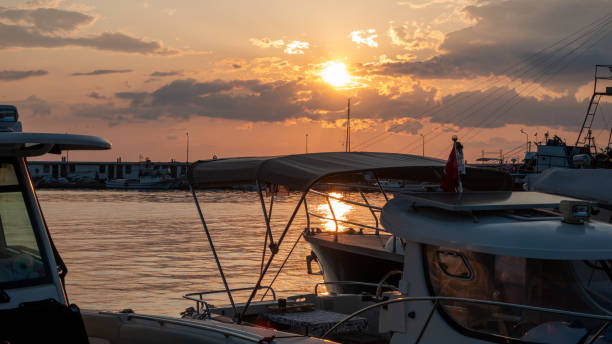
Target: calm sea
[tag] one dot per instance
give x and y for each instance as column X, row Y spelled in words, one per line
column 144, row 250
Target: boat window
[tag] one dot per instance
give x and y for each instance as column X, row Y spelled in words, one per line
column 453, row 264
column 20, row 257
column 7, row 175
column 596, row 278
column 535, row 282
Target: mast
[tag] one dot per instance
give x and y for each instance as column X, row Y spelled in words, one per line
column 348, row 126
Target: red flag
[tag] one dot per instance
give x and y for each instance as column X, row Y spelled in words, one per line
column 450, row 175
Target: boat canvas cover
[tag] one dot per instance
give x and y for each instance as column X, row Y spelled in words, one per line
column 591, row 184
column 33, row 144
column 301, row 171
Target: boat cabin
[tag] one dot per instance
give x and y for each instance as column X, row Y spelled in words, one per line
column 504, row 249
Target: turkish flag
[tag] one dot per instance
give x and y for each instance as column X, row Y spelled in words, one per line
column 450, row 175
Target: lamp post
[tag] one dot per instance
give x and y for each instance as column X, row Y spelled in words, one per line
column 187, row 158
column 423, row 139
column 527, row 147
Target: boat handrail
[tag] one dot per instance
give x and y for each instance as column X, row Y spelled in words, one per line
column 197, row 297
column 198, row 325
column 344, row 221
column 373, row 207
column 436, row 300
column 356, row 283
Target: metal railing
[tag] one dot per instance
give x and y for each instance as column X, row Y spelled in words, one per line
column 366, row 205
column 372, row 208
column 354, row 283
column 607, row 319
column 202, row 305
column 229, row 332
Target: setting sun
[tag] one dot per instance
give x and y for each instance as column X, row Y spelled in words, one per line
column 335, row 74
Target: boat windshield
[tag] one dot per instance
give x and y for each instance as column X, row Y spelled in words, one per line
column 578, row 286
column 20, row 254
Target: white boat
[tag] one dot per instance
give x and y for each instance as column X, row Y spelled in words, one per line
column 478, row 267
column 143, row 183
column 34, row 306
column 148, row 179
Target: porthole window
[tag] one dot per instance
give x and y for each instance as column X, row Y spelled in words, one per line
column 454, row 264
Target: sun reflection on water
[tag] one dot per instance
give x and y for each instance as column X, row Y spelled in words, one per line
column 341, row 211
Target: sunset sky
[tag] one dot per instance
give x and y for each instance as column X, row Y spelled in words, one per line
column 254, row 77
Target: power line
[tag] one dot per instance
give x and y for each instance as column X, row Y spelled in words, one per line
column 503, row 110
column 493, row 79
column 536, row 77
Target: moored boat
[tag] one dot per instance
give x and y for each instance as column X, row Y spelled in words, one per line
column 34, row 304
column 478, row 267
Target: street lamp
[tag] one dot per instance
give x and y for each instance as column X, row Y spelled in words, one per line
column 423, row 138
column 528, row 147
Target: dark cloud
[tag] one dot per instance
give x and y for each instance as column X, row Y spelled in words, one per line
column 163, row 74
column 494, row 108
column 96, row 95
column 10, row 75
column 48, row 20
column 236, row 66
column 34, row 106
column 511, row 32
column 409, row 126
column 251, row 100
column 16, row 36
column 258, row 101
column 102, row 72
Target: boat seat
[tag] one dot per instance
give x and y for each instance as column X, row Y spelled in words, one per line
column 316, row 323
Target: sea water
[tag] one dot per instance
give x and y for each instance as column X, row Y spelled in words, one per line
column 145, row 250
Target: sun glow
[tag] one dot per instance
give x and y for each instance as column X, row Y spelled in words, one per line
column 341, row 211
column 335, row 74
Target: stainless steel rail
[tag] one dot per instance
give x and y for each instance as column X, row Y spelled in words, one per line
column 365, row 284
column 197, row 297
column 436, row 299
column 365, row 205
column 182, row 322
column 343, row 221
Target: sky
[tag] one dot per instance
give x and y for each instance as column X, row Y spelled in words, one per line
column 247, row 78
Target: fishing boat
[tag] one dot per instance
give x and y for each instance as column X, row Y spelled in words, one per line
column 34, row 304
column 478, row 266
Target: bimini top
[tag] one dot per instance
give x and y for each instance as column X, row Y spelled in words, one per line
column 301, row 171
column 34, row 144
column 489, row 229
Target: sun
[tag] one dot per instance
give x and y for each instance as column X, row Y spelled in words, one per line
column 335, row 74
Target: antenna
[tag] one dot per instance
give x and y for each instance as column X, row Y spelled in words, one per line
column 306, row 143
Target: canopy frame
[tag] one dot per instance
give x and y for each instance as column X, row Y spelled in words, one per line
column 253, row 173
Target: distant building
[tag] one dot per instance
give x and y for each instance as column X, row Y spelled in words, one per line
column 103, row 171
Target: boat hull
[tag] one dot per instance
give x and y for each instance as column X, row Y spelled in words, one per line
column 354, row 257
